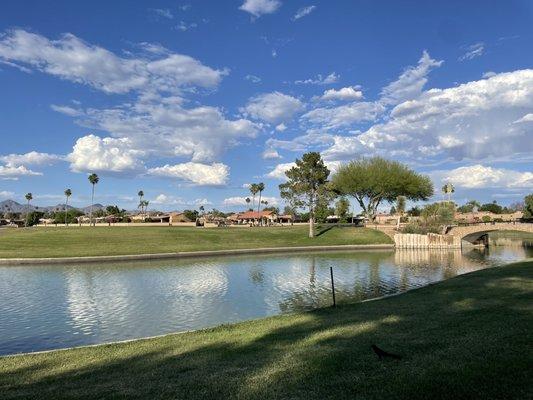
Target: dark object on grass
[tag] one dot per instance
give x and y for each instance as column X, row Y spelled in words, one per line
column 383, row 354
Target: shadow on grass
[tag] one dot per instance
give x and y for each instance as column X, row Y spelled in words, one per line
column 449, row 351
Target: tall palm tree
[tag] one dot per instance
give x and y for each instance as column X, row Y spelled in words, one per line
column 140, row 193
column 68, row 193
column 29, row 198
column 260, row 188
column 248, row 200
column 93, row 179
column 253, row 190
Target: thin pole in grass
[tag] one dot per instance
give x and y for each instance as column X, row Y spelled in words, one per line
column 332, row 286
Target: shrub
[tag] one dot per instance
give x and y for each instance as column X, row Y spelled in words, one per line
column 486, row 218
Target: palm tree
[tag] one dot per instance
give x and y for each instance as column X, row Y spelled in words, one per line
column 140, row 193
column 254, row 188
column 29, row 198
column 248, row 200
column 260, row 188
column 144, row 206
column 68, row 193
column 93, row 179
column 448, row 189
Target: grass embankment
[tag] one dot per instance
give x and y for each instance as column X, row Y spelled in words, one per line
column 105, row 241
column 468, row 337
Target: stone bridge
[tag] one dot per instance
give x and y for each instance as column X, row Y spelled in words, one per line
column 478, row 233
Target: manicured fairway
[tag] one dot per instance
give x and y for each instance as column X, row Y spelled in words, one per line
column 103, row 241
column 465, row 338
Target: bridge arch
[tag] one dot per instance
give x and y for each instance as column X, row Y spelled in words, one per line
column 478, row 233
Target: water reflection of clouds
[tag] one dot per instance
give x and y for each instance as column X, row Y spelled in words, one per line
column 56, row 306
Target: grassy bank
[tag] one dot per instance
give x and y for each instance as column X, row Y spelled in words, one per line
column 468, row 337
column 104, row 241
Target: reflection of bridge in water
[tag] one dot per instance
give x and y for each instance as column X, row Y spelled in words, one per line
column 478, row 233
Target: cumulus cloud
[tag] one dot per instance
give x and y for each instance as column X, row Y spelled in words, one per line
column 94, row 154
column 411, row 82
column 14, row 172
column 473, row 51
column 260, row 7
column 319, row 80
column 196, row 173
column 272, row 107
column 471, row 121
column 479, row 176
column 72, row 59
column 344, row 94
column 31, row 158
column 303, row 11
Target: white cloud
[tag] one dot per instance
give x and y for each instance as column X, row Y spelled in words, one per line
column 345, row 115
column 167, row 200
column 31, row 158
column 319, row 80
column 411, row 82
column 479, row 176
column 13, row 173
column 302, row 12
column 67, row 110
column 473, row 51
column 72, row 59
column 272, row 107
column 270, row 153
column 279, row 170
column 471, row 121
column 5, row 194
column 94, row 154
column 184, row 26
column 281, row 127
column 241, row 201
column 489, row 74
column 345, row 94
column 199, row 174
column 260, row 7
column 163, row 12
column 525, row 118
column 162, row 127
column 252, row 78
column 303, row 143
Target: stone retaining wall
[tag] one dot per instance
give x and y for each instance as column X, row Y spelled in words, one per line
column 429, row 241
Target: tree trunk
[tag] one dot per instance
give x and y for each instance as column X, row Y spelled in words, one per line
column 311, row 226
column 92, row 202
column 258, row 207
column 66, row 208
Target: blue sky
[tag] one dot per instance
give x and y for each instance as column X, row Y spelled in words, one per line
column 191, row 101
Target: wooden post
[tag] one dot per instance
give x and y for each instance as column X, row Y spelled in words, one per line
column 332, row 286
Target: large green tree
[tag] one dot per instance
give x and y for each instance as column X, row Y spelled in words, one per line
column 374, row 180
column 342, row 207
column 306, row 185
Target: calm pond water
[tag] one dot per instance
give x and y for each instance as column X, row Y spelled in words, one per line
column 49, row 307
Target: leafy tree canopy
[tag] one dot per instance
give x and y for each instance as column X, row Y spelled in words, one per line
column 528, row 206
column 374, row 180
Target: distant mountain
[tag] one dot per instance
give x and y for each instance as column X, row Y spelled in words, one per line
column 87, row 210
column 15, row 207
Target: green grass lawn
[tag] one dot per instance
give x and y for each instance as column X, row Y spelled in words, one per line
column 103, row 241
column 465, row 338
